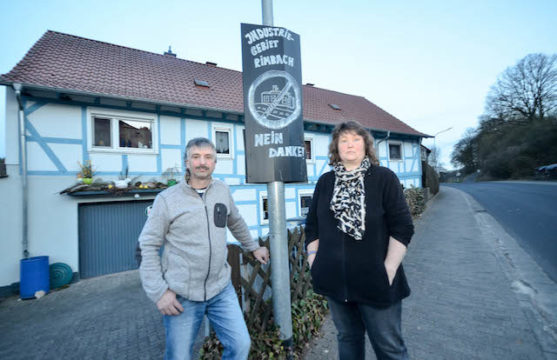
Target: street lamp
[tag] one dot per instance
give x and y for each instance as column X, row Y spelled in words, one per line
column 435, row 147
column 442, row 131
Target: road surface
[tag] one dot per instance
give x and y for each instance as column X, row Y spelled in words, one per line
column 527, row 210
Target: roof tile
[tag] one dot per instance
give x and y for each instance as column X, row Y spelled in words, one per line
column 67, row 62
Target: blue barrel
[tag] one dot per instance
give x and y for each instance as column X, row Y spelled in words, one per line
column 34, row 276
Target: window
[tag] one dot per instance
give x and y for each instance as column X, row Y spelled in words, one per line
column 121, row 131
column 222, row 136
column 308, row 144
column 222, row 142
column 395, row 152
column 102, row 132
column 305, row 198
column 264, row 212
column 134, row 134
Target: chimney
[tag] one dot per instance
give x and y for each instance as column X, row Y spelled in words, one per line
column 213, row 64
column 169, row 52
column 310, row 84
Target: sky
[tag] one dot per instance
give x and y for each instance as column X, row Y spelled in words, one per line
column 429, row 63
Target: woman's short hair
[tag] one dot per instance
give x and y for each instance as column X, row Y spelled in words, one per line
column 356, row 128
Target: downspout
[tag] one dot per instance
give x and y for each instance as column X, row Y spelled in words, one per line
column 384, row 139
column 22, row 150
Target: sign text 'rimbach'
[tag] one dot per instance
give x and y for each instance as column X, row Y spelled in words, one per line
column 272, row 76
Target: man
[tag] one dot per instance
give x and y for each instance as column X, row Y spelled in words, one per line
column 193, row 278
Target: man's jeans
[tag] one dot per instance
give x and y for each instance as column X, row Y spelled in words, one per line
column 382, row 325
column 225, row 317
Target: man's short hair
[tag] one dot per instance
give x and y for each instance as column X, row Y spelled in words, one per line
column 199, row 142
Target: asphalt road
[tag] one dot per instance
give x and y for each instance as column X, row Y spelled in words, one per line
column 527, row 211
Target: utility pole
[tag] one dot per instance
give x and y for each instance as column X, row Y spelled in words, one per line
column 280, row 269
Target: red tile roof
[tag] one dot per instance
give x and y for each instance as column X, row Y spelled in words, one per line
column 73, row 64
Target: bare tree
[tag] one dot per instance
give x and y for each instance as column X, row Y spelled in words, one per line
column 465, row 152
column 434, row 158
column 526, row 91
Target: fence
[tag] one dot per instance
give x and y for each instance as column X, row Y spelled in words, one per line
column 252, row 280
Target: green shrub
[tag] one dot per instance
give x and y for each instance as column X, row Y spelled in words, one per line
column 416, row 201
column 307, row 318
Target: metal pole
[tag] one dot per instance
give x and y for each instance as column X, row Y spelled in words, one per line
column 267, row 9
column 280, row 269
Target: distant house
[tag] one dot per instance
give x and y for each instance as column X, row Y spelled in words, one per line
column 124, row 108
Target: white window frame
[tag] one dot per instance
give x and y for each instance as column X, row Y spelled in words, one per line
column 311, row 160
column 399, row 144
column 262, row 220
column 302, row 193
column 228, row 129
column 114, row 116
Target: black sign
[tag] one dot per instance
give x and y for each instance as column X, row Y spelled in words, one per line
column 272, row 75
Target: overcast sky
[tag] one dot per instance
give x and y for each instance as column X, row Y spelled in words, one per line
column 429, row 63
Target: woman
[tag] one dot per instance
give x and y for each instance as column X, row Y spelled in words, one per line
column 357, row 231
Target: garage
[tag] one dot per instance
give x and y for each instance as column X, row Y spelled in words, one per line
column 108, row 233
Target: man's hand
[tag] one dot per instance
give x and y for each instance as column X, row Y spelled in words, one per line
column 168, row 305
column 261, row 254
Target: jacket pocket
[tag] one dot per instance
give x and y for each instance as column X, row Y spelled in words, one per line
column 220, row 214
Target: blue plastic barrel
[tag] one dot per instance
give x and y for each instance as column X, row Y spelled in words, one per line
column 34, row 276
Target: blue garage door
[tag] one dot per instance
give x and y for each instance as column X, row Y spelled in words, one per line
column 108, row 235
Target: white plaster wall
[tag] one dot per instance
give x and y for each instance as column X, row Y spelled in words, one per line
column 53, row 229
column 68, row 154
column 141, row 163
column 239, row 129
column 52, row 223
column 408, row 165
column 381, row 150
column 232, row 181
column 249, row 213
column 289, row 192
column 320, row 144
column 310, row 169
column 106, row 161
column 290, row 208
column 37, row 160
column 321, row 167
column 12, row 125
column 224, row 166
column 241, row 165
column 170, row 158
column 11, row 226
column 55, row 120
column 170, row 130
column 196, row 128
column 408, row 149
column 240, row 194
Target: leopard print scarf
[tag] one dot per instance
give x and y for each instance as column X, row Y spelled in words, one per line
column 348, row 201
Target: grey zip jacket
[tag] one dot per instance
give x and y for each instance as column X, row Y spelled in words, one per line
column 193, row 232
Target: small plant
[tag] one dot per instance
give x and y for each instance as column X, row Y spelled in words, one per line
column 87, row 172
column 171, row 175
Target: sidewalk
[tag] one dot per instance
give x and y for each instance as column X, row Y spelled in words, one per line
column 107, row 317
column 475, row 293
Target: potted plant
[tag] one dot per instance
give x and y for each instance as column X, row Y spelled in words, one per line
column 86, row 173
column 171, row 174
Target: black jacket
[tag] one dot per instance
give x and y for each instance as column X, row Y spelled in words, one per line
column 350, row 270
